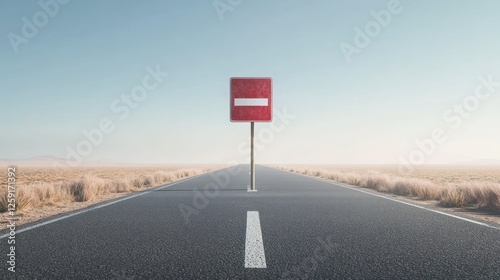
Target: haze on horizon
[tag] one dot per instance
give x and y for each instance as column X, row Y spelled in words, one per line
column 429, row 73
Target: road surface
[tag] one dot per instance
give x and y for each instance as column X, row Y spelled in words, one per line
column 293, row 227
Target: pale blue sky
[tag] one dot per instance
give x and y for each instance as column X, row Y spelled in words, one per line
column 371, row 110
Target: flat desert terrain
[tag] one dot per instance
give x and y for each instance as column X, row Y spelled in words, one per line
column 45, row 191
column 470, row 189
column 439, row 174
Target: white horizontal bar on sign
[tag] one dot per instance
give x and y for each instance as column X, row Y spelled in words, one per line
column 251, row 102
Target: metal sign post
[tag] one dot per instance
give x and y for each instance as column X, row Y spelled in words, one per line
column 252, row 162
column 251, row 101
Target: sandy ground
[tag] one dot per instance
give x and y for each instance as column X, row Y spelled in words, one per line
column 29, row 175
column 32, row 174
column 490, row 217
column 440, row 174
column 32, row 214
column 435, row 173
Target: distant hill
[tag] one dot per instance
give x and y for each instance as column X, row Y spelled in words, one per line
column 45, row 160
column 486, row 161
column 53, row 161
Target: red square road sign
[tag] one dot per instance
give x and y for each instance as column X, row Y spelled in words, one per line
column 251, row 99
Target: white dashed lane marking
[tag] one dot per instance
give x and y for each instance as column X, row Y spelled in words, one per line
column 254, row 245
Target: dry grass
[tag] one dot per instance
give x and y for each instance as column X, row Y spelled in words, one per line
column 38, row 187
column 457, row 191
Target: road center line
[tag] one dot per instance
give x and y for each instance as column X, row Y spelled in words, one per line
column 254, row 246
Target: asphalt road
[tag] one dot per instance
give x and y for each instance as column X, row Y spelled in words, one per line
column 299, row 228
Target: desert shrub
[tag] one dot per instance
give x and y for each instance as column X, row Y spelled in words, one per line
column 332, row 176
column 49, row 194
column 426, row 193
column 492, row 200
column 123, row 185
column 88, row 187
column 402, row 187
column 487, row 194
column 24, row 199
column 147, row 182
column 138, row 183
column 377, row 182
column 452, row 197
column 3, row 201
column 480, row 194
